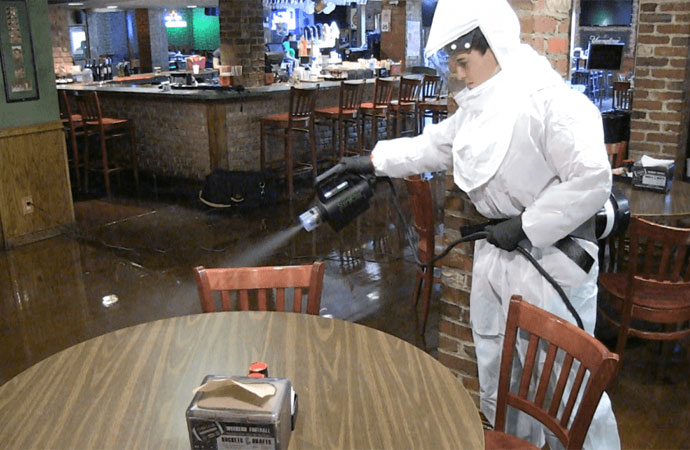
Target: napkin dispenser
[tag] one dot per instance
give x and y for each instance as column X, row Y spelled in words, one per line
column 652, row 175
column 241, row 412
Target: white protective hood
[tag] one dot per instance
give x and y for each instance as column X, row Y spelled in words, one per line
column 490, row 110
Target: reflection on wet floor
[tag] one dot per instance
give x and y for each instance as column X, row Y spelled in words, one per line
column 143, row 251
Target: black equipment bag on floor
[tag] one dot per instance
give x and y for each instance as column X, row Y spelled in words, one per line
column 245, row 189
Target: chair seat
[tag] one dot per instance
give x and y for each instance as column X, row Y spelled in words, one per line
column 109, row 123
column 282, row 120
column 369, row 108
column 333, row 113
column 497, row 440
column 617, row 283
column 440, row 104
column 395, row 105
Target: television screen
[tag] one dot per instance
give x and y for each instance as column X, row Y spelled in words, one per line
column 605, row 13
column 605, row 56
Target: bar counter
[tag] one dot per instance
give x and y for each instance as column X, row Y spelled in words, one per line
column 187, row 133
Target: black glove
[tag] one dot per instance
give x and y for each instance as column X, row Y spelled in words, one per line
column 357, row 164
column 506, row 234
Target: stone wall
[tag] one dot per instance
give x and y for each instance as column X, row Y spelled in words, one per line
column 661, row 103
column 172, row 133
column 242, row 38
column 60, row 40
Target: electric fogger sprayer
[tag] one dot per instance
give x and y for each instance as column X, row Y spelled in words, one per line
column 342, row 195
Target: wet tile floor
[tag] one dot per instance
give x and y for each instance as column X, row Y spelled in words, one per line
column 143, row 250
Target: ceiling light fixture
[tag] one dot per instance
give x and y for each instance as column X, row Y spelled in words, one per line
column 191, row 6
column 112, row 6
column 75, row 4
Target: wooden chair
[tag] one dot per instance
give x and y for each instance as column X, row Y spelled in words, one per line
column 73, row 127
column 422, row 206
column 298, row 119
column 255, row 284
column 617, row 152
column 622, row 95
column 340, row 117
column 540, row 402
column 405, row 106
column 378, row 108
column 655, row 288
column 107, row 129
column 431, row 104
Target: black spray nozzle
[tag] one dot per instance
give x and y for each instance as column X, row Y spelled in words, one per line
column 341, row 196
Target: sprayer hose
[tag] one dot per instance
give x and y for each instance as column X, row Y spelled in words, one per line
column 429, row 265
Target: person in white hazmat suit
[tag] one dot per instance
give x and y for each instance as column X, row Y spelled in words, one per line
column 523, row 146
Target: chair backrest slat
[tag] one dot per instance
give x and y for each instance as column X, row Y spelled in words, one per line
column 225, row 300
column 431, row 86
column 259, row 283
column 410, row 90
column 572, row 398
column 560, row 386
column 244, row 300
column 89, row 106
column 350, row 95
column 280, row 300
column 545, row 376
column 529, row 365
column 383, row 91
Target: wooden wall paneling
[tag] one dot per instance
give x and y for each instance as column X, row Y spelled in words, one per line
column 33, row 161
column 217, row 135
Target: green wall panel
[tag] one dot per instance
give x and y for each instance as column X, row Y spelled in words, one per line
column 206, row 31
column 45, row 109
column 201, row 33
column 181, row 37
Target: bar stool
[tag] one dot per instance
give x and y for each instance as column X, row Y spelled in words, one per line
column 73, row 127
column 405, row 106
column 431, row 105
column 346, row 113
column 622, row 95
column 300, row 119
column 378, row 109
column 107, row 129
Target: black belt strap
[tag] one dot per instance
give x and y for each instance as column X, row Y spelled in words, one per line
column 572, row 249
column 568, row 245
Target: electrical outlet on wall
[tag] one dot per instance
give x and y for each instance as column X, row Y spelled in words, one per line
column 27, row 205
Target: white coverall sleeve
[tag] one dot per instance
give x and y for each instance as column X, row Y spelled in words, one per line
column 429, row 152
column 574, row 147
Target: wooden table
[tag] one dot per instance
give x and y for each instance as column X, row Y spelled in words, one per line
column 357, row 387
column 675, row 204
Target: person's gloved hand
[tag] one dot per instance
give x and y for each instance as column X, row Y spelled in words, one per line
column 506, row 234
column 357, row 164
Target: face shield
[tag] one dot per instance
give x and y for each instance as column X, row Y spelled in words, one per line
column 443, row 61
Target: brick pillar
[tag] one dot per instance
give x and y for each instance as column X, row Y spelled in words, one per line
column 59, row 36
column 659, row 125
column 545, row 25
column 144, row 40
column 242, row 38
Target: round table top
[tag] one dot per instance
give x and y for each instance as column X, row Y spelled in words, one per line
column 358, row 387
column 674, row 203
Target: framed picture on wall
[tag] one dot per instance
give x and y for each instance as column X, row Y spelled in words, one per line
column 17, row 52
